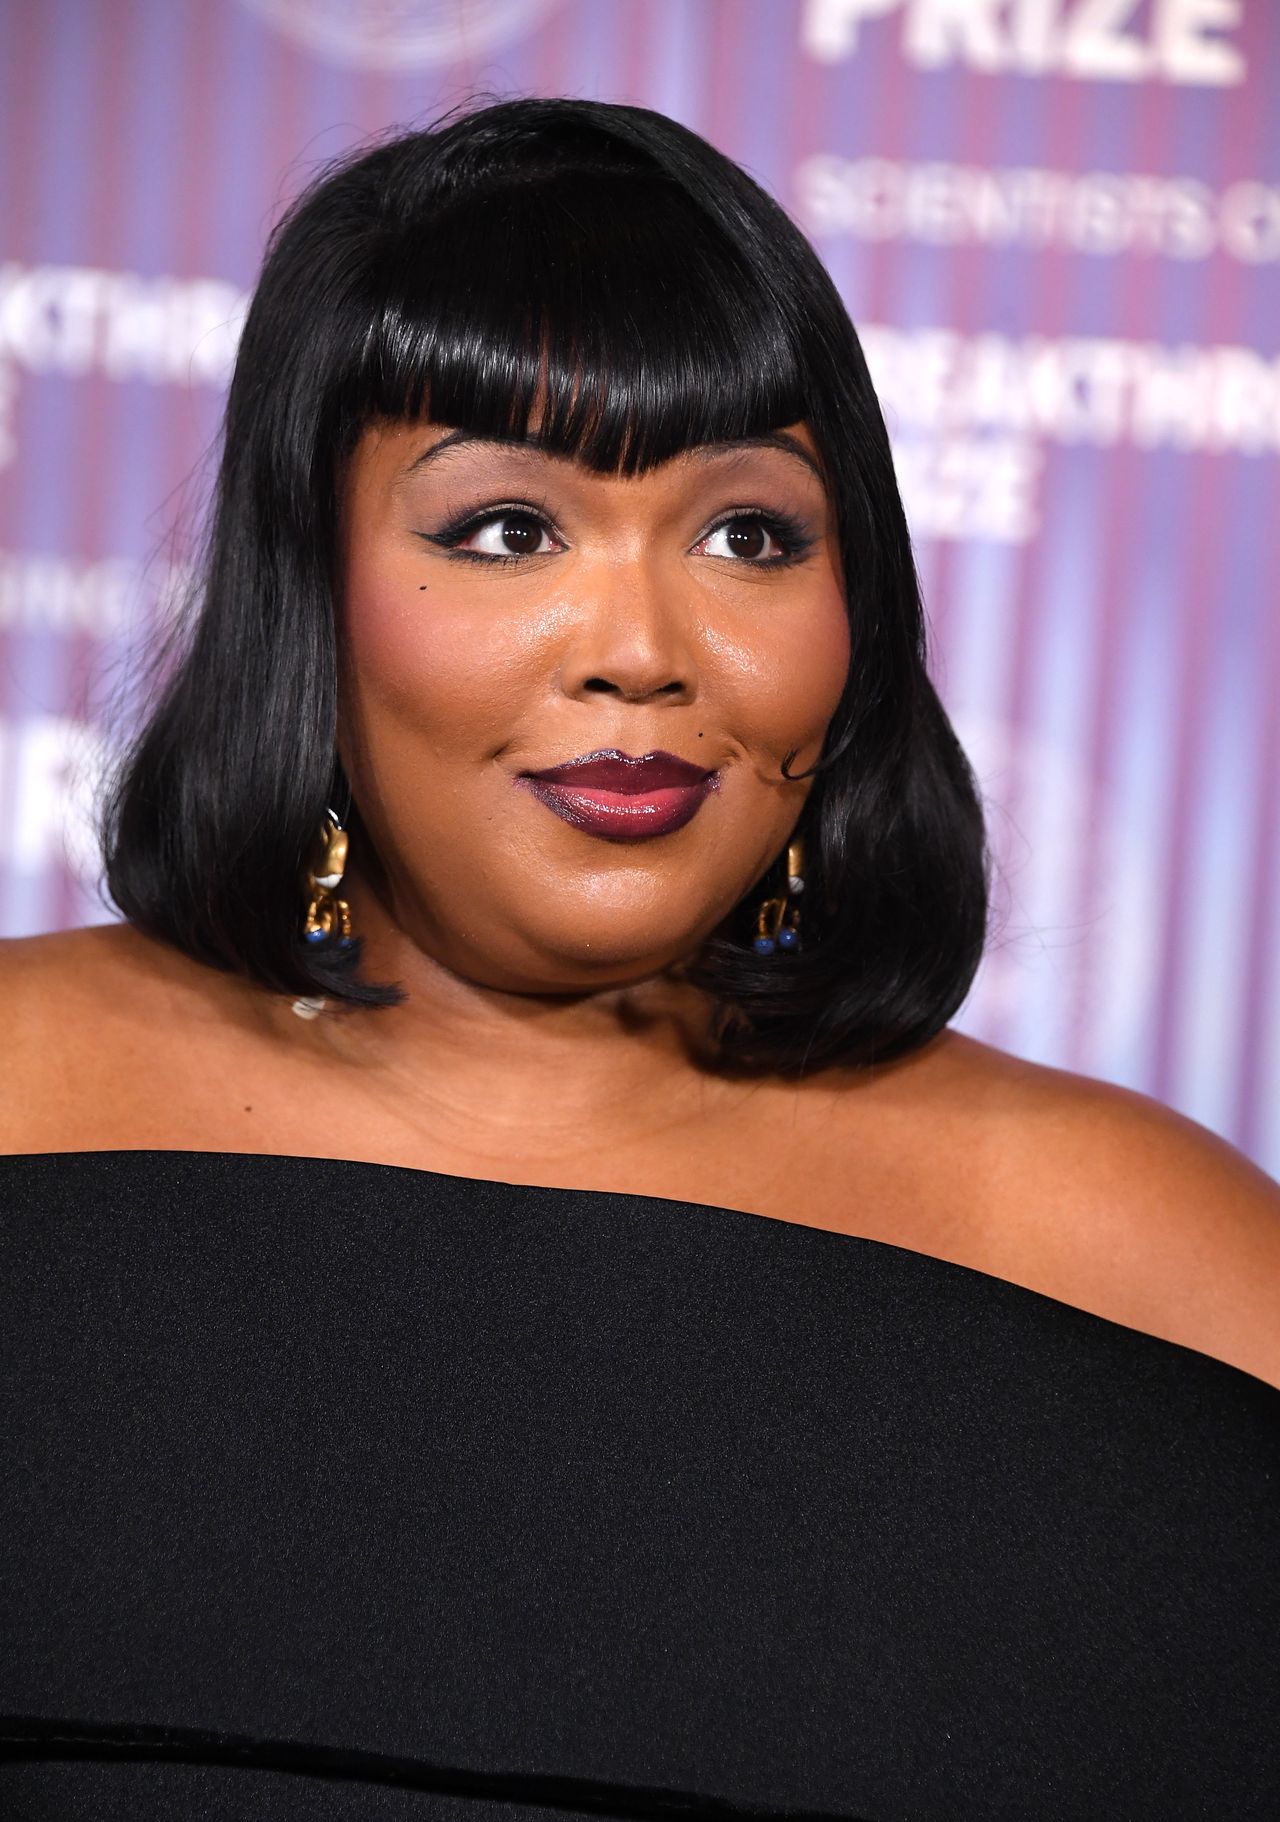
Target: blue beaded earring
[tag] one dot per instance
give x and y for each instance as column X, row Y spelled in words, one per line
column 777, row 925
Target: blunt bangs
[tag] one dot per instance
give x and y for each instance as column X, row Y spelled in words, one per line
column 605, row 303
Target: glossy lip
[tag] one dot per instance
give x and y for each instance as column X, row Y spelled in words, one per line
column 609, row 770
column 607, row 793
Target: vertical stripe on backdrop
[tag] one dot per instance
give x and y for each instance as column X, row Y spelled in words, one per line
column 150, row 90
column 682, row 36
column 1117, row 898
column 941, row 114
column 758, row 79
column 548, row 52
column 850, row 121
column 23, row 50
column 42, row 487
column 1250, row 559
column 588, row 48
column 1258, row 1128
column 1125, row 886
column 103, row 420
column 1111, row 901
column 972, row 601
column 716, row 110
column 24, row 47
column 1045, row 301
column 1227, row 140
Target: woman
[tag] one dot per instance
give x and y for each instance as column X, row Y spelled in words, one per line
column 514, row 1292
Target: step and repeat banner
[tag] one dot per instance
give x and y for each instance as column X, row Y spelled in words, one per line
column 1056, row 224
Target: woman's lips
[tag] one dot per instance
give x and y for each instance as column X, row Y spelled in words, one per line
column 623, row 815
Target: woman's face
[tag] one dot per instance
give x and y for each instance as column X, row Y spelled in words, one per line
column 505, row 611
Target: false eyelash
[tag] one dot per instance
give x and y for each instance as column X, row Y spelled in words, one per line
column 452, row 534
column 787, row 531
column 796, row 542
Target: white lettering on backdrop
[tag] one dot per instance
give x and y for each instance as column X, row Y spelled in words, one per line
column 100, row 598
column 77, row 320
column 50, row 768
column 1096, row 212
column 1102, row 40
column 1078, row 389
column 968, row 415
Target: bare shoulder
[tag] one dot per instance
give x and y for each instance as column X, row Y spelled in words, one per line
column 1113, row 1201
column 50, row 979
column 98, row 1023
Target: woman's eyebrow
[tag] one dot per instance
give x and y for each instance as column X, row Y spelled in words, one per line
column 457, row 439
column 701, row 452
column 766, row 439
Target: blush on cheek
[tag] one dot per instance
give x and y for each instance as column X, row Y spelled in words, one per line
column 414, row 659
column 832, row 647
column 393, row 633
column 808, row 674
column 384, row 606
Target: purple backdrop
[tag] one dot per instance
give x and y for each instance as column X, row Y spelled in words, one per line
column 1057, row 225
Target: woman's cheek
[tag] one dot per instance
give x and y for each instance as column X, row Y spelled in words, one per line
column 795, row 688
column 413, row 652
column 828, row 649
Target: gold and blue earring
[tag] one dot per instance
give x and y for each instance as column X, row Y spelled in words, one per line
column 328, row 915
column 778, row 920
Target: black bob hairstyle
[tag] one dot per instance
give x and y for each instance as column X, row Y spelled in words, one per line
column 609, row 261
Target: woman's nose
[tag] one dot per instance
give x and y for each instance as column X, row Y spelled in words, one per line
column 635, row 632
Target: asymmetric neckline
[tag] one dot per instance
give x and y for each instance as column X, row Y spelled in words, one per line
column 463, row 1184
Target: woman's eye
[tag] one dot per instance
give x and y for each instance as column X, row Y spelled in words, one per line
column 745, row 536
column 509, row 534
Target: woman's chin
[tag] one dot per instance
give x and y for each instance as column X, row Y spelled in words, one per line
column 552, row 967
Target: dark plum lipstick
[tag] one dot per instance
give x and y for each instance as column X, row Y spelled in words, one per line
column 606, row 793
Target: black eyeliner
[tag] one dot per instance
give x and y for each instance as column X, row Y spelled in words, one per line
column 796, row 541
column 463, row 524
column 786, row 530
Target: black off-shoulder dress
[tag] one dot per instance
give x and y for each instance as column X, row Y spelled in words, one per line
column 341, row 1490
